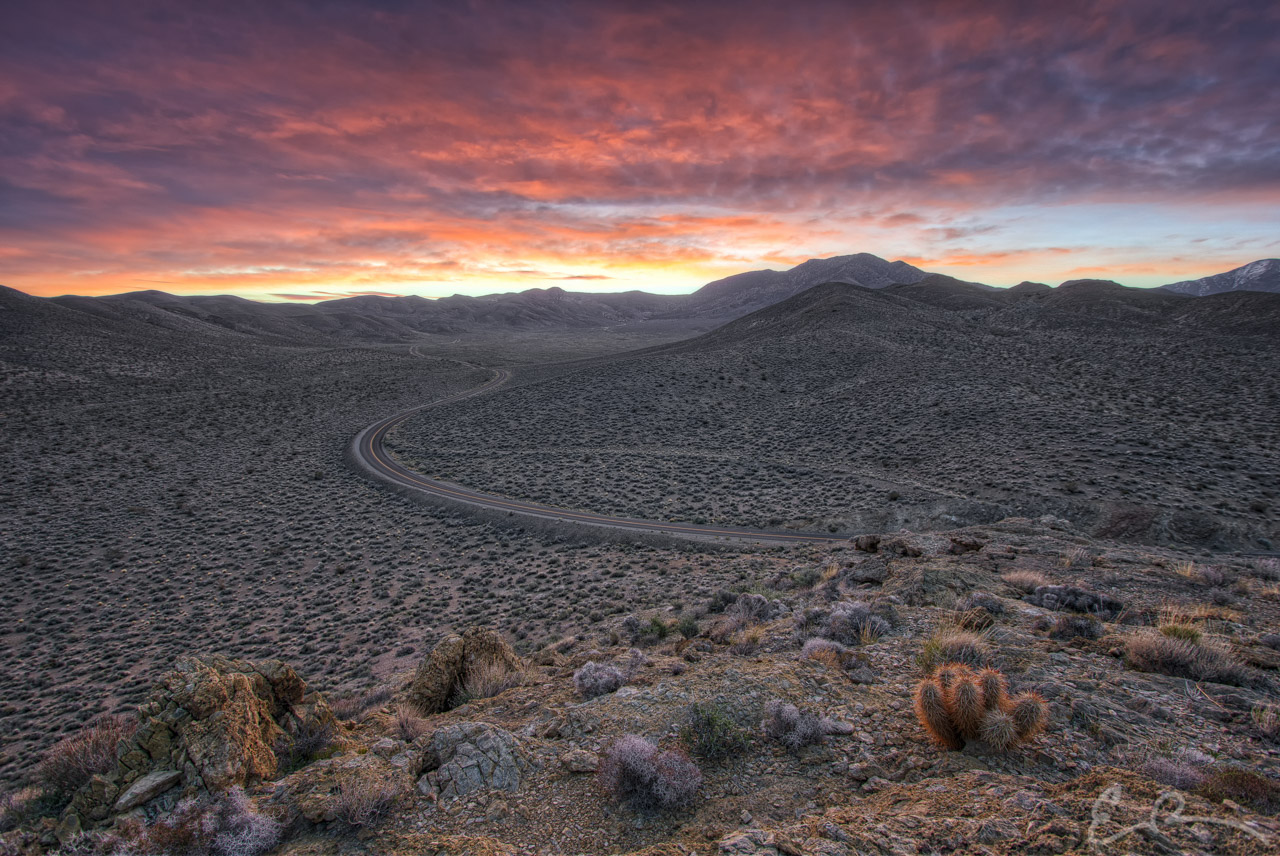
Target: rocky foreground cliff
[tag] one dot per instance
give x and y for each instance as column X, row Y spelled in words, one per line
column 792, row 719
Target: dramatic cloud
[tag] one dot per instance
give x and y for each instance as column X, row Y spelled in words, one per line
column 291, row 148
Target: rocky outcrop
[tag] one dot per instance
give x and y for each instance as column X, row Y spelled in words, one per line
column 454, row 660
column 469, row 757
column 210, row 724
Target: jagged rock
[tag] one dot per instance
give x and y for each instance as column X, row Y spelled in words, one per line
column 211, row 723
column 473, row 756
column 147, row 788
column 450, row 663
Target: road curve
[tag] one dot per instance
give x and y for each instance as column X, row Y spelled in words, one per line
column 369, row 453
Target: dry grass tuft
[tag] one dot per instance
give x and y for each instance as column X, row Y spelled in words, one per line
column 1180, row 658
column 955, row 645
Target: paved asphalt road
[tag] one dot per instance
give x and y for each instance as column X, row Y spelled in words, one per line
column 367, row 449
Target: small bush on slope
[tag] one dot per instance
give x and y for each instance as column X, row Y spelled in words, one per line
column 596, row 679
column 635, row 772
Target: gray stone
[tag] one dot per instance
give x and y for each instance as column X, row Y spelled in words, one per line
column 147, row 788
column 474, row 756
column 580, row 761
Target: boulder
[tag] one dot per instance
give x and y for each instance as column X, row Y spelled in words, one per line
column 472, row 756
column 147, row 788
column 452, row 661
column 210, row 724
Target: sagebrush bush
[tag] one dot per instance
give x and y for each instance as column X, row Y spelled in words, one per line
column 845, row 622
column 1074, row 599
column 227, row 825
column 959, row 704
column 596, row 679
column 312, row 741
column 711, row 733
column 790, row 726
column 1180, row 658
column 687, row 626
column 1186, row 773
column 635, row 772
column 70, row 763
column 756, row 608
column 981, row 600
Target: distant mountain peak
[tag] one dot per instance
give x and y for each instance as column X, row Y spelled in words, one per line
column 1261, row 275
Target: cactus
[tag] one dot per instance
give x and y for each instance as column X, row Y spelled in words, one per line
column 1030, row 715
column 931, row 710
column 959, row 704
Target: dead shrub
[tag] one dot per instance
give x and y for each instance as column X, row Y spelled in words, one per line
column 70, row 763
column 634, row 771
column 365, row 796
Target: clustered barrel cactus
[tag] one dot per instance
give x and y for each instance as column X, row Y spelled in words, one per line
column 959, row 704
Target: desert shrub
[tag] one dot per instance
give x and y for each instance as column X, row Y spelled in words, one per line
column 1266, row 718
column 354, row 706
column 1026, row 581
column 952, row 645
column 634, row 771
column 756, row 608
column 1247, row 787
column 959, row 704
column 790, row 726
column 312, row 741
column 711, row 733
column 806, row 576
column 70, row 763
column 721, row 600
column 633, row 662
column 1073, row 599
column 1271, row 640
column 725, row 628
column 23, row 806
column 846, row 622
column 1179, row 658
column 1212, row 575
column 408, row 725
column 1180, row 631
column 687, row 626
column 1184, row 770
column 1267, row 569
column 975, row 620
column 224, row 826
column 489, row 679
column 596, row 679
column 746, row 641
column 365, row 796
column 1073, row 626
column 826, row 651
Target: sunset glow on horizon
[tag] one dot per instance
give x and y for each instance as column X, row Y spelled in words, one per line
column 304, row 151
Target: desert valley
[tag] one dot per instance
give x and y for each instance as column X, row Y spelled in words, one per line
column 1073, row 485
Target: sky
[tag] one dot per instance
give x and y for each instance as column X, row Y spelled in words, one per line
column 306, row 150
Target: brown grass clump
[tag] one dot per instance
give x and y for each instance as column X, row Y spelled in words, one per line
column 1181, row 658
column 1025, row 581
column 1266, row 718
column 959, row 704
column 408, row 725
column 365, row 796
column 954, row 645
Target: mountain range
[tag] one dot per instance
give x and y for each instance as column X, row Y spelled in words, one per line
column 399, row 319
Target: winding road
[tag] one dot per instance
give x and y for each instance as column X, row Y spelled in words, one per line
column 369, row 454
